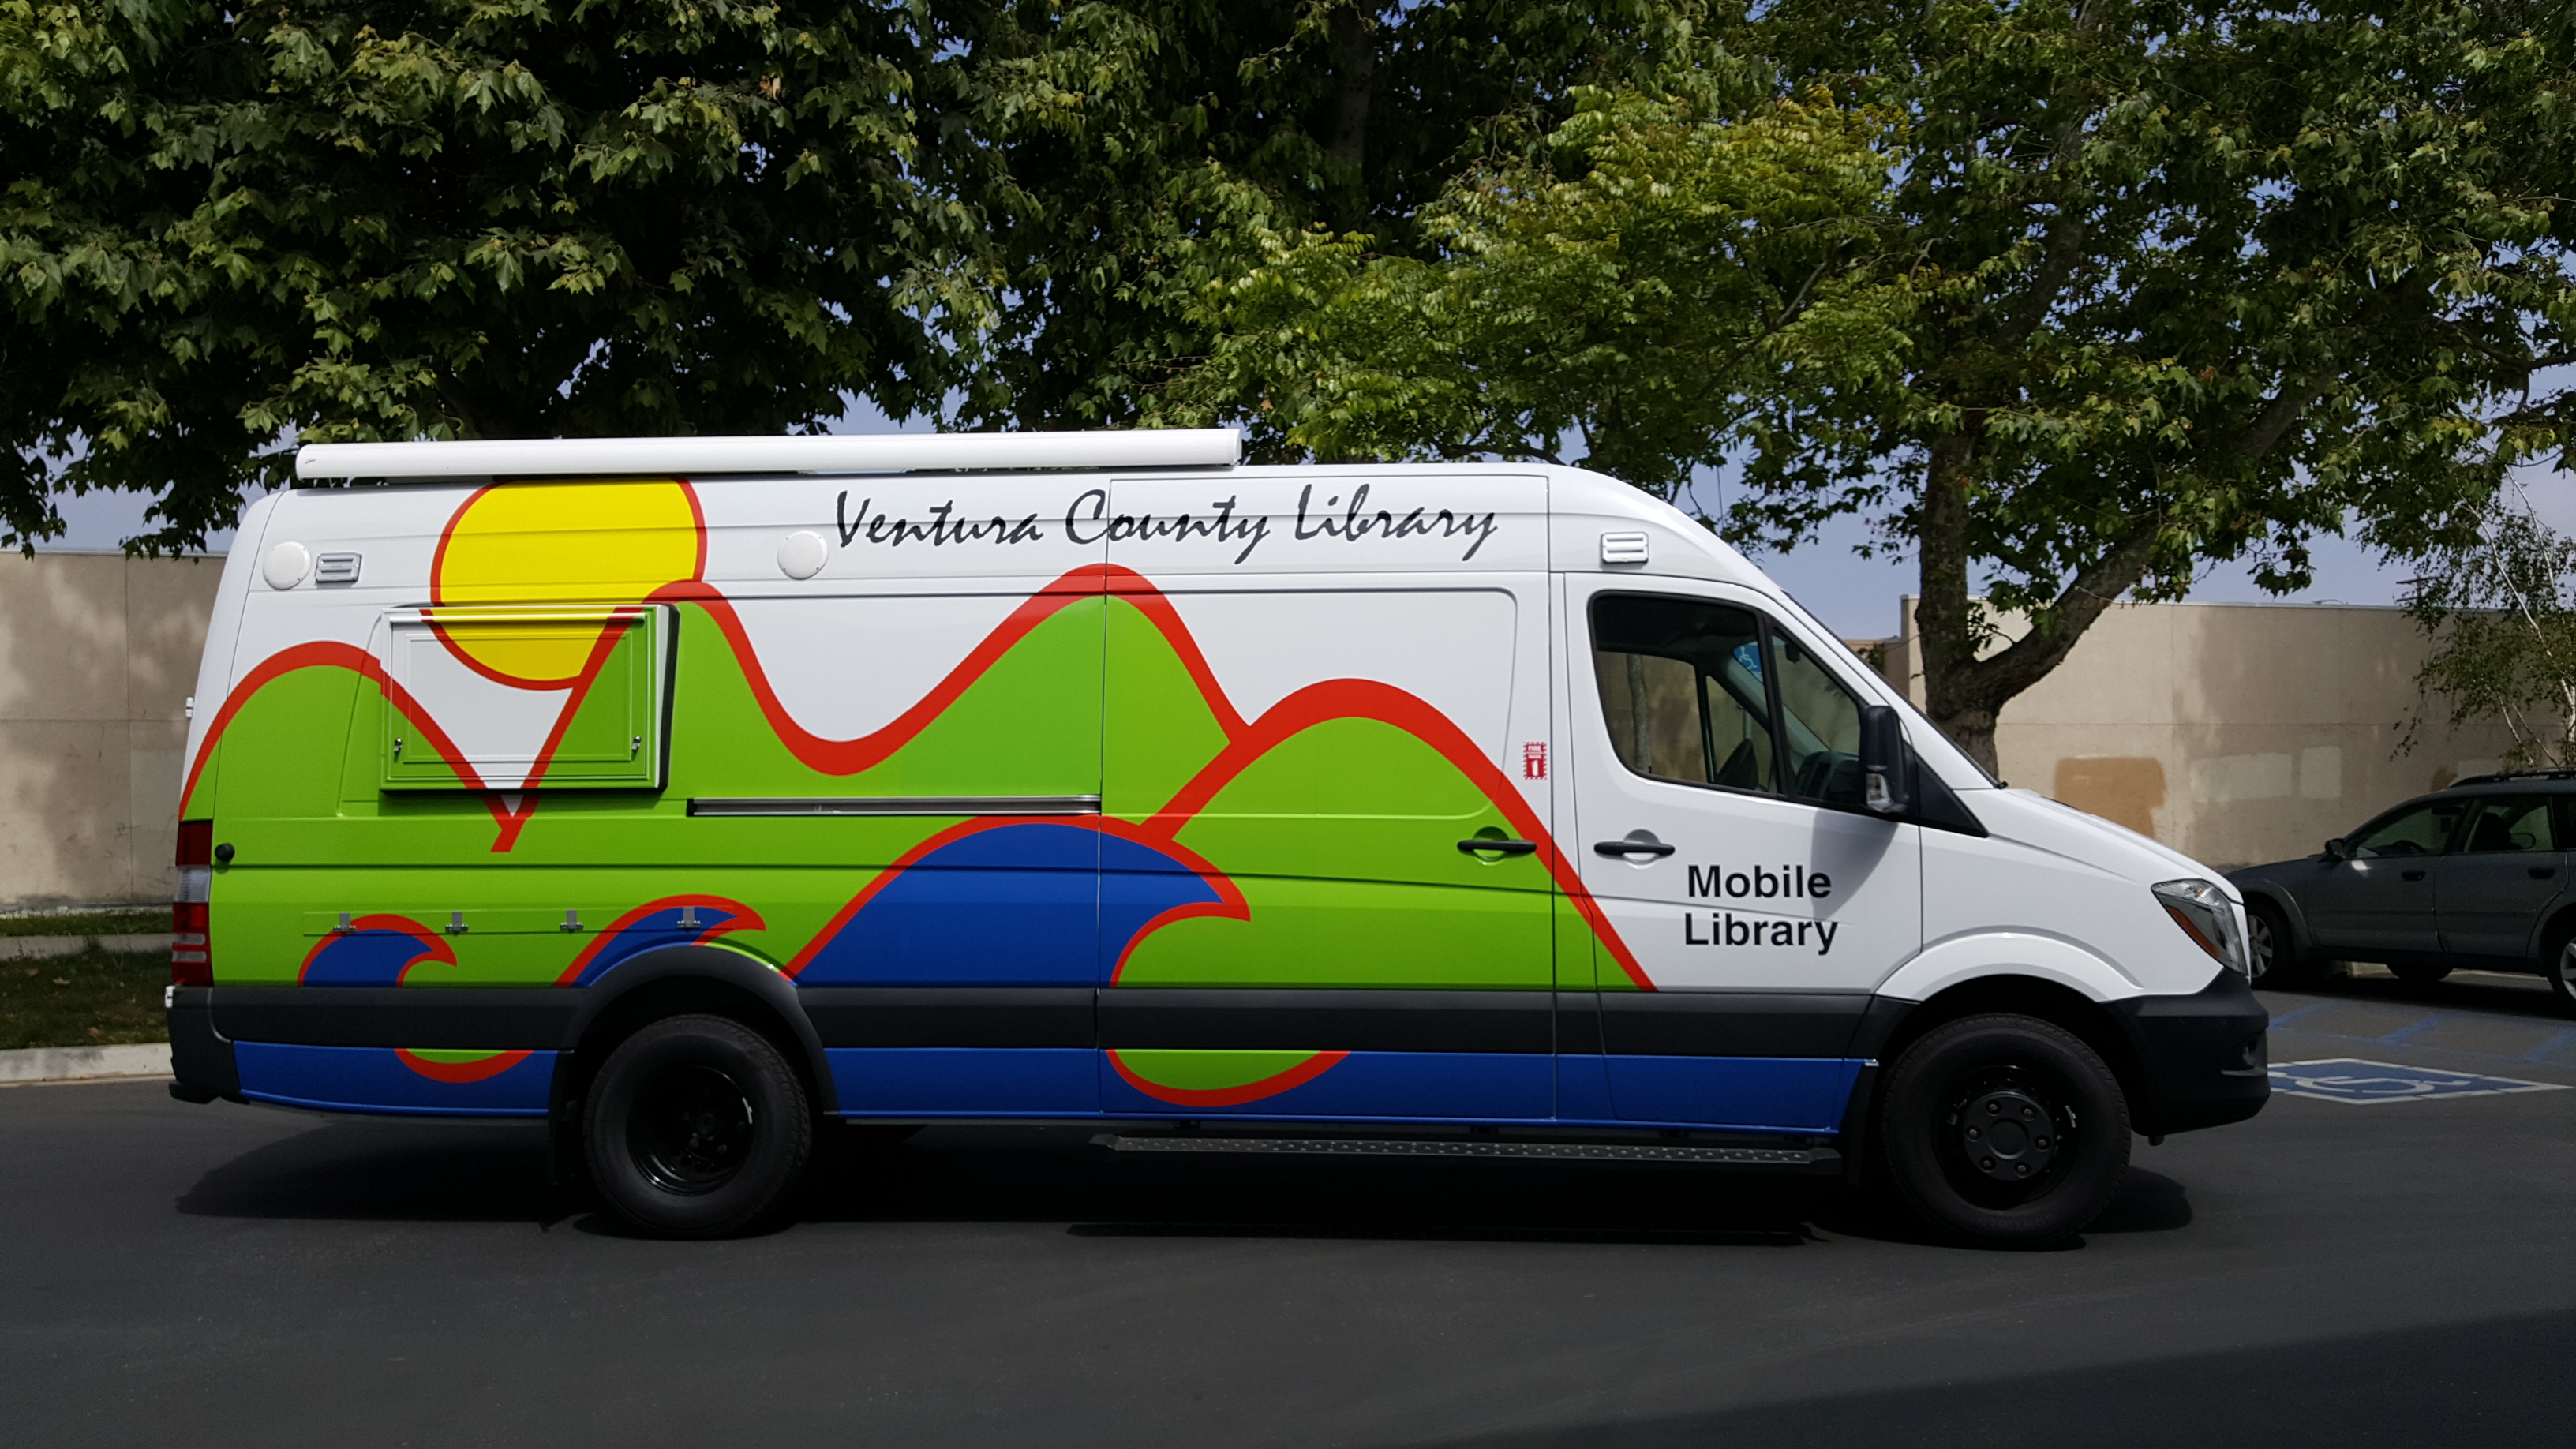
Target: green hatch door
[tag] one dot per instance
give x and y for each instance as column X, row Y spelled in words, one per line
column 612, row 739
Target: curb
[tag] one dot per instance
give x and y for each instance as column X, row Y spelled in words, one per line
column 84, row 1064
column 34, row 948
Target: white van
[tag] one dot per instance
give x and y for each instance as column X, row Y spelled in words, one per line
column 690, row 793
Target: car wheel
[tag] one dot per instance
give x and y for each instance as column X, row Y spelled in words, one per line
column 2561, row 970
column 2004, row 1130
column 2419, row 973
column 696, row 1128
column 2274, row 951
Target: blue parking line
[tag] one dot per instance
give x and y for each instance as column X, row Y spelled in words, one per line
column 2308, row 1010
column 2542, row 1053
column 2402, row 1033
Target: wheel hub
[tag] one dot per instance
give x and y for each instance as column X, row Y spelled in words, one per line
column 692, row 1129
column 2007, row 1135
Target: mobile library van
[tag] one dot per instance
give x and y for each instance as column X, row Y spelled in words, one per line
column 699, row 794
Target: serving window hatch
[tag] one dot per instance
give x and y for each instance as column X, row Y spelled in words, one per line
column 511, row 698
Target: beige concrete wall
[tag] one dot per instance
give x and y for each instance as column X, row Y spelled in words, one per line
column 2236, row 733
column 97, row 655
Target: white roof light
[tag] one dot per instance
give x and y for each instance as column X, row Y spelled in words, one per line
column 831, row 453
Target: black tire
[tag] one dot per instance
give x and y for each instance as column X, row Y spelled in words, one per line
column 2006, row 1082
column 696, row 1128
column 2558, row 966
column 2278, row 961
column 2420, row 973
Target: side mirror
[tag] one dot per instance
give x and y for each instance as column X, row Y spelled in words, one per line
column 2337, row 850
column 1886, row 765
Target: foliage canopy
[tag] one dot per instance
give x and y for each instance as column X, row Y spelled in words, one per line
column 450, row 218
column 2149, row 285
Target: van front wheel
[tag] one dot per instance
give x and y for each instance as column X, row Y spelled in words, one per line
column 2005, row 1130
column 696, row 1127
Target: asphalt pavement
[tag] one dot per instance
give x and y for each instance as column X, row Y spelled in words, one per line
column 2396, row 1272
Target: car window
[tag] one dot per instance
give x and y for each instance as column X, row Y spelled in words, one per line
column 2511, row 823
column 1682, row 690
column 1819, row 727
column 2420, row 830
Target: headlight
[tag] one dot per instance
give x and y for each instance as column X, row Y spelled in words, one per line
column 2207, row 916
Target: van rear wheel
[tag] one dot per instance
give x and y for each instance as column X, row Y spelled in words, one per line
column 2005, row 1130
column 696, row 1128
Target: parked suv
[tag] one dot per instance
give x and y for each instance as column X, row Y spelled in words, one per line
column 2472, row 876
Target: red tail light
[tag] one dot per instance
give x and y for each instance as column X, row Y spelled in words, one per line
column 192, row 960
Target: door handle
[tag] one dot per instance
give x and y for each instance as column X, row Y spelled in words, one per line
column 1498, row 847
column 1639, row 844
column 2410, row 875
column 2543, row 872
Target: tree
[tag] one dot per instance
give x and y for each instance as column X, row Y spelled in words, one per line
column 2500, row 609
column 1136, row 151
column 225, row 229
column 2150, row 285
column 1709, row 238
column 2199, row 280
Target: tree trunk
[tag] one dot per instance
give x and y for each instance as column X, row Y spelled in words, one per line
column 1942, row 616
column 1962, row 693
column 1353, row 50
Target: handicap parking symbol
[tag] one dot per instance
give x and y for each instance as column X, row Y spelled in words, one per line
column 2348, row 1079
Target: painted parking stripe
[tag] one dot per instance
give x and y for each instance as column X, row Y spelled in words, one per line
column 2349, row 1079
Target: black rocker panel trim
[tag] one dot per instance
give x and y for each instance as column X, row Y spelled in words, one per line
column 1326, row 1020
column 503, row 1018
column 1730, row 1023
column 950, row 1016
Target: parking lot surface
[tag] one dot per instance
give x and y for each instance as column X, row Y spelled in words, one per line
column 2389, row 1273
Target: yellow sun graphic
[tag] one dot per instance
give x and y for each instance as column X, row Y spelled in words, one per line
column 552, row 545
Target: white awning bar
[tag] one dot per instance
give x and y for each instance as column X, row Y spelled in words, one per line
column 829, row 453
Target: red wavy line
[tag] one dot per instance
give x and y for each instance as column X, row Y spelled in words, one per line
column 437, row 948
column 459, row 1073
column 1151, row 602
column 1368, row 699
column 609, row 637
column 1315, row 704
column 1271, row 1086
column 1229, row 903
column 745, row 919
column 330, row 654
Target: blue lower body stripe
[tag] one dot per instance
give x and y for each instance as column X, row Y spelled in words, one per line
column 1760, row 1094
column 966, row 1081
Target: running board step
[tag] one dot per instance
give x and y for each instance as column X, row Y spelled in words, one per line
column 1810, row 1157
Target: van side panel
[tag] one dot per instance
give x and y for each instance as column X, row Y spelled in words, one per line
column 999, row 745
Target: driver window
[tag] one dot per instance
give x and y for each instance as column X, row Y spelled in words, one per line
column 2424, row 830
column 1819, row 727
column 2514, row 823
column 1682, row 690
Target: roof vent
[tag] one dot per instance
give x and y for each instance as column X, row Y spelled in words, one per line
column 1623, row 548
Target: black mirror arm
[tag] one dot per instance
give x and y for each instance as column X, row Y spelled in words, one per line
column 1886, row 761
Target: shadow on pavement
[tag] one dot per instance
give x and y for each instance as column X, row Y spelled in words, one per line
column 2499, row 993
column 427, row 1172
column 2498, row 1384
column 384, row 1171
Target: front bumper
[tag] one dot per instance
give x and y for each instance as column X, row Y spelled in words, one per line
column 201, row 1060
column 2201, row 1058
